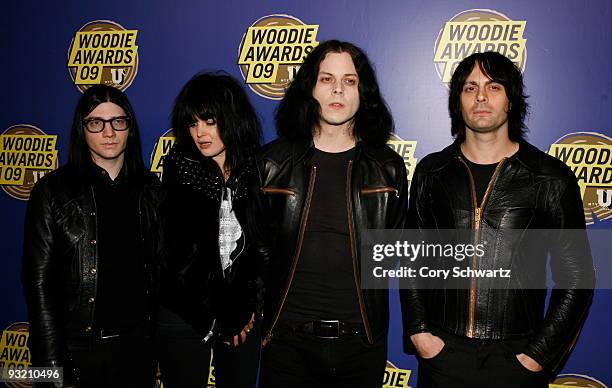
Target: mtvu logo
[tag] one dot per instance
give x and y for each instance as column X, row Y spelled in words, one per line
column 117, row 75
column 604, row 197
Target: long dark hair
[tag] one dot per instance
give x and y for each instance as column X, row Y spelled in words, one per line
column 499, row 69
column 220, row 97
column 79, row 154
column 298, row 113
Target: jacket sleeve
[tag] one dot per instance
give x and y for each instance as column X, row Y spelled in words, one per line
column 397, row 170
column 238, row 299
column 412, row 299
column 186, row 282
column 572, row 268
column 263, row 230
column 38, row 278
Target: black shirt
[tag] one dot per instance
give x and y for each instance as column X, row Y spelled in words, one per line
column 482, row 174
column 120, row 301
column 324, row 285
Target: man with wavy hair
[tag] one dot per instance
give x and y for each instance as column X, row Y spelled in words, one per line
column 328, row 177
column 492, row 181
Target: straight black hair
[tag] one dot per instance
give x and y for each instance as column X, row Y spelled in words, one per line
column 219, row 97
column 298, row 114
column 79, row 153
column 502, row 70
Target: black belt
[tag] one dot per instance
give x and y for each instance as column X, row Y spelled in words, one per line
column 329, row 329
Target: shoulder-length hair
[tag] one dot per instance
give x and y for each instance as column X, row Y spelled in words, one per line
column 79, row 154
column 219, row 97
column 298, row 114
column 500, row 69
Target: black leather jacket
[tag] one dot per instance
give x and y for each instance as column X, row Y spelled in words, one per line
column 60, row 259
column 529, row 190
column 193, row 284
column 377, row 200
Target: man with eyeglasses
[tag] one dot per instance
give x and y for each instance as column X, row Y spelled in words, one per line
column 92, row 240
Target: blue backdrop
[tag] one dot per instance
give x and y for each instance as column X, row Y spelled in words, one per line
column 566, row 68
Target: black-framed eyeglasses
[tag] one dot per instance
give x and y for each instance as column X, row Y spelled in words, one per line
column 95, row 124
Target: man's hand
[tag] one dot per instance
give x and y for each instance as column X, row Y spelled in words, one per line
column 241, row 338
column 529, row 363
column 427, row 344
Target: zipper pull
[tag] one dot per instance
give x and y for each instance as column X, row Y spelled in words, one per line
column 477, row 214
column 266, row 340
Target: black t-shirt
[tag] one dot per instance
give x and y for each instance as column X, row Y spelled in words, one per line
column 482, row 174
column 120, row 302
column 324, row 285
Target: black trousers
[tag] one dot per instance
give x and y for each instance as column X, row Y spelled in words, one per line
column 471, row 363
column 184, row 361
column 301, row 360
column 124, row 361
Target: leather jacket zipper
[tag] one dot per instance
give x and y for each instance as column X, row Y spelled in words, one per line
column 349, row 206
column 296, row 256
column 478, row 211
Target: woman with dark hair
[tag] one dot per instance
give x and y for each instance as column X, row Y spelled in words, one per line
column 92, row 240
column 209, row 288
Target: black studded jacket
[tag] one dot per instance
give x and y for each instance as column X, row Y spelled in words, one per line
column 193, row 284
column 60, row 259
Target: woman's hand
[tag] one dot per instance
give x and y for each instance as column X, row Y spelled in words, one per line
column 241, row 338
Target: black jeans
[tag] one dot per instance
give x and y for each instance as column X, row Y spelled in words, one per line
column 236, row 367
column 184, row 361
column 472, row 363
column 301, row 360
column 123, row 361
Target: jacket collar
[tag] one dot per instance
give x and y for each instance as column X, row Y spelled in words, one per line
column 304, row 149
column 527, row 155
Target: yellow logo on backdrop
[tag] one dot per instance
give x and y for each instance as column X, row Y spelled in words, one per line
column 478, row 30
column 14, row 351
column 26, row 154
column 211, row 371
column 576, row 381
column 395, row 377
column 271, row 52
column 589, row 155
column 162, row 147
column 103, row 52
column 405, row 149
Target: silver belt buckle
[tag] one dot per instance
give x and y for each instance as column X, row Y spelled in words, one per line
column 107, row 336
column 332, row 327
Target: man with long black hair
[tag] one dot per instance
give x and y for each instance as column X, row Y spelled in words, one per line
column 494, row 182
column 328, row 177
column 90, row 251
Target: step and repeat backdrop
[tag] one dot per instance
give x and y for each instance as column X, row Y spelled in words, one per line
column 53, row 51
